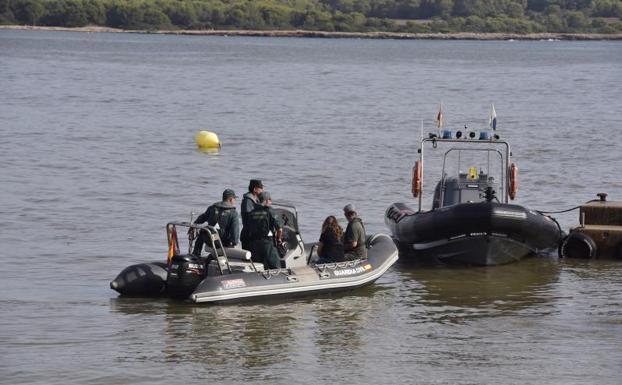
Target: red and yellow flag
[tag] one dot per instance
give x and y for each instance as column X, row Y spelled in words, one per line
column 439, row 117
column 172, row 245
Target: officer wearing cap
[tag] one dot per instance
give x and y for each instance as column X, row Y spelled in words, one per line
column 224, row 217
column 264, row 230
column 249, row 201
column 354, row 237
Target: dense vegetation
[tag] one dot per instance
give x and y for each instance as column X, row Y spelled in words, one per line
column 514, row 16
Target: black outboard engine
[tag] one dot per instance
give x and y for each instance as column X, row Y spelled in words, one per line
column 184, row 274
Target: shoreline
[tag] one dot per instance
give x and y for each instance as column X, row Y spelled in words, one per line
column 339, row 35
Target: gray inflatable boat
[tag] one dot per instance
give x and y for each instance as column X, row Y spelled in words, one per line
column 225, row 274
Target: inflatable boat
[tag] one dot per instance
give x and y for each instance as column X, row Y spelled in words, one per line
column 468, row 222
column 222, row 274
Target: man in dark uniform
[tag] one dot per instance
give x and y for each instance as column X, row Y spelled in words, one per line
column 354, row 238
column 223, row 217
column 249, row 201
column 263, row 228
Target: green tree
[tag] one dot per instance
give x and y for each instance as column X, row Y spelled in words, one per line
column 154, row 18
column 6, row 14
column 515, row 10
column 28, row 11
column 125, row 14
column 275, row 16
column 95, row 12
column 435, row 8
column 576, row 21
column 608, row 8
column 74, row 14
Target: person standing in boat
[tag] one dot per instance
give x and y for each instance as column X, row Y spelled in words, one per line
column 354, row 237
column 249, row 201
column 262, row 230
column 330, row 247
column 222, row 216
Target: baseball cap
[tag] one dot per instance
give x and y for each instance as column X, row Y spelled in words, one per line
column 228, row 193
column 349, row 208
column 264, row 196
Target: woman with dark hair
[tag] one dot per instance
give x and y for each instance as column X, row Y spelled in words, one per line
column 330, row 247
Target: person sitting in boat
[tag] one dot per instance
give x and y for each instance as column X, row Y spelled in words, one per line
column 354, row 237
column 330, row 247
column 222, row 216
column 249, row 201
column 264, row 231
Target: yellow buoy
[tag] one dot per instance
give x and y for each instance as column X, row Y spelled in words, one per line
column 207, row 140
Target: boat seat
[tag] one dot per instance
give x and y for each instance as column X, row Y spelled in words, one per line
column 236, row 267
column 232, row 253
column 289, row 237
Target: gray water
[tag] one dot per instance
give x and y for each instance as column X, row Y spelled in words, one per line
column 97, row 153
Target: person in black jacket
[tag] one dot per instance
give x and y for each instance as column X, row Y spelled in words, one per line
column 330, row 247
column 249, row 201
column 224, row 218
column 264, row 231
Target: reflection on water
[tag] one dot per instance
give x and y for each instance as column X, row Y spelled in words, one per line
column 337, row 331
column 451, row 294
column 252, row 336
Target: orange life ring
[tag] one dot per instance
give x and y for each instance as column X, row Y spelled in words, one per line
column 417, row 176
column 513, row 183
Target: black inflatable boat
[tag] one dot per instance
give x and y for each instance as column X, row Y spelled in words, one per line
column 225, row 274
column 468, row 223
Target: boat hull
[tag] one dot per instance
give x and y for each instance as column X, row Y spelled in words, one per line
column 247, row 285
column 298, row 281
column 482, row 233
column 481, row 250
column 141, row 280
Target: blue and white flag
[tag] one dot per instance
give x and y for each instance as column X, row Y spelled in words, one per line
column 492, row 119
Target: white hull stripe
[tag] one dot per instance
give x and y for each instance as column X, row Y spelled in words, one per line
column 292, row 288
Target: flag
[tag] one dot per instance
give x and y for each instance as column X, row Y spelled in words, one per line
column 492, row 119
column 172, row 244
column 439, row 117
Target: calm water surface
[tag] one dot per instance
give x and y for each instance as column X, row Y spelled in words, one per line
column 97, row 153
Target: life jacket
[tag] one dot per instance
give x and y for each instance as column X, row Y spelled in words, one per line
column 214, row 213
column 218, row 217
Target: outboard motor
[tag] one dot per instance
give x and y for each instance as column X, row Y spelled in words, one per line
column 184, row 274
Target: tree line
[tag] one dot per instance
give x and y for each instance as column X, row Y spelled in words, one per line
column 416, row 16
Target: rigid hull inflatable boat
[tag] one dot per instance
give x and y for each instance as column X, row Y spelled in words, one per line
column 225, row 274
column 468, row 224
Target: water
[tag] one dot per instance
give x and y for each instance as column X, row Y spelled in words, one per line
column 97, row 153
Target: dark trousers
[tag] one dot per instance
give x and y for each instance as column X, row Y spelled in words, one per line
column 199, row 242
column 264, row 251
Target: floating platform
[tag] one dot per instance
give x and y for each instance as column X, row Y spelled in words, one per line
column 599, row 234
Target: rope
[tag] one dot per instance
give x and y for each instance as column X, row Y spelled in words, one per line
column 565, row 211
column 557, row 212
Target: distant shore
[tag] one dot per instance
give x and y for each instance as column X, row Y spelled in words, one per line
column 340, row 35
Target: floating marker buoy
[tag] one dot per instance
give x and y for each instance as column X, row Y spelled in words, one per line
column 207, row 140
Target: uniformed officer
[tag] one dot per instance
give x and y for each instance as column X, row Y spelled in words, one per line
column 263, row 229
column 249, row 201
column 354, row 238
column 222, row 216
